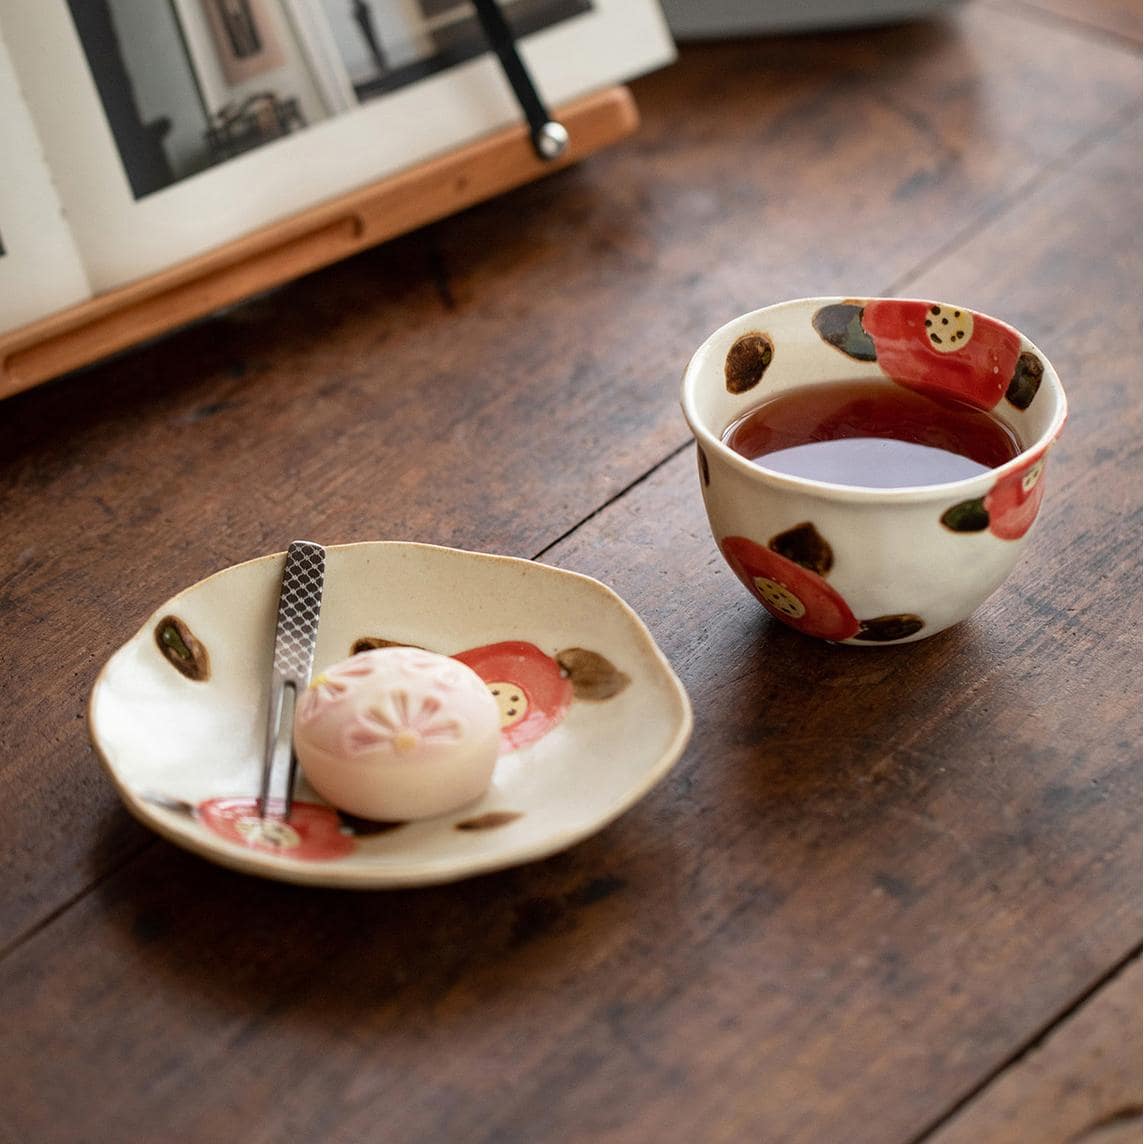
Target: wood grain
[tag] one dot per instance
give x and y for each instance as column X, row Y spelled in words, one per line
column 303, row 243
column 876, row 877
column 1082, row 1084
column 847, row 888
column 412, row 392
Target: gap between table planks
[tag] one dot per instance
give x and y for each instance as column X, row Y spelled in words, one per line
column 156, row 445
column 568, row 931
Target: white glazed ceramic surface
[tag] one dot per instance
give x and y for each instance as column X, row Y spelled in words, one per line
column 175, row 746
column 855, row 565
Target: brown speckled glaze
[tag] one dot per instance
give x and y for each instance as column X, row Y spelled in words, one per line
column 747, row 361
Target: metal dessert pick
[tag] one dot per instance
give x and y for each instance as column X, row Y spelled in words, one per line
column 299, row 604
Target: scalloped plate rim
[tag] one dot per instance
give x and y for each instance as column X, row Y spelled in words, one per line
column 336, row 875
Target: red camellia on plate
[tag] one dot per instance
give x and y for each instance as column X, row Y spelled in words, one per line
column 790, row 592
column 1013, row 501
column 943, row 351
column 531, row 689
column 311, row 833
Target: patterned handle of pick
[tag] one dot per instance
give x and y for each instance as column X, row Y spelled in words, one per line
column 299, row 605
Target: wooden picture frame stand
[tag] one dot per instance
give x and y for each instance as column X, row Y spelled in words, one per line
column 313, row 238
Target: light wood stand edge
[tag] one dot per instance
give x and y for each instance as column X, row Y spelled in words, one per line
column 316, row 237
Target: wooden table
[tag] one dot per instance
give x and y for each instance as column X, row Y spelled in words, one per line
column 886, row 895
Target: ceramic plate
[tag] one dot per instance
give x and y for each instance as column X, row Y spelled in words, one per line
column 178, row 713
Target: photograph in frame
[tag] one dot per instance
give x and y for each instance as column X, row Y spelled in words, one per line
column 245, row 38
column 159, row 143
column 189, row 84
column 386, row 44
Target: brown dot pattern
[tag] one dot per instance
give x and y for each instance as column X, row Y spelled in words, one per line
column 489, row 821
column 747, row 361
column 182, row 650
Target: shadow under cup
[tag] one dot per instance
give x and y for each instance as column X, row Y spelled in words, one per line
column 860, row 565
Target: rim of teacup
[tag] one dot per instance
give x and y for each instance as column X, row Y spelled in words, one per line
column 709, row 439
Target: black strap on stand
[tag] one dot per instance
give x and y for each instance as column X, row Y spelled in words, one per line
column 549, row 138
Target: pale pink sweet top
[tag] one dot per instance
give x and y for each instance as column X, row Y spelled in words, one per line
column 397, row 733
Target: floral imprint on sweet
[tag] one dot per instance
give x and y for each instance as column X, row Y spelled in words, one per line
column 329, row 687
column 533, row 690
column 402, row 722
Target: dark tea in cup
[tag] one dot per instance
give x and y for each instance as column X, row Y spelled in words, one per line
column 871, row 434
column 918, row 433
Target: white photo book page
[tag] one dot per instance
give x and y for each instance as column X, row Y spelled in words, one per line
column 40, row 269
column 174, row 126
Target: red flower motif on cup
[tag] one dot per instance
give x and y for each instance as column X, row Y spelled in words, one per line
column 790, row 592
column 1013, row 501
column 943, row 351
column 531, row 689
column 311, row 833
column 1008, row 509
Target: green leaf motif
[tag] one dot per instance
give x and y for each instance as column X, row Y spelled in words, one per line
column 804, row 545
column 173, row 642
column 181, row 649
column 969, row 516
column 840, row 326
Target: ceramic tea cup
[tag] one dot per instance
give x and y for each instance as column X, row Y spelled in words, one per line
column 861, row 565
